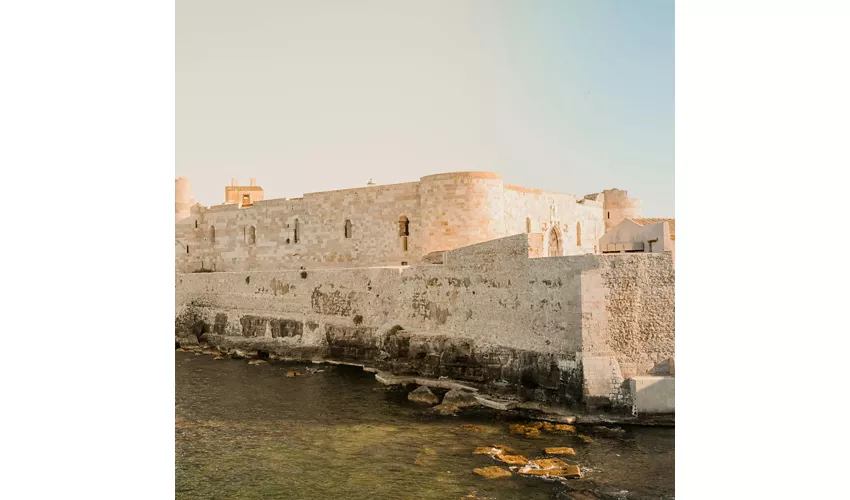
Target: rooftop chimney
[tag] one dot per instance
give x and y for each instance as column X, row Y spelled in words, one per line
column 253, row 181
column 234, row 182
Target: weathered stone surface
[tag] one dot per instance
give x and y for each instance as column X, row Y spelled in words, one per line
column 564, row 428
column 190, row 340
column 487, row 450
column 570, row 328
column 561, row 450
column 585, row 439
column 423, row 395
column 460, row 399
column 492, row 472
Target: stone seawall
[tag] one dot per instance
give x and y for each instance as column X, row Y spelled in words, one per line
column 564, row 329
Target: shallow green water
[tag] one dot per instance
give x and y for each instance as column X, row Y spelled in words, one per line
column 249, row 432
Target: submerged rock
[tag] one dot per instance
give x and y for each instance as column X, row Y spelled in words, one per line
column 562, row 450
column 460, row 399
column 256, row 362
column 551, row 467
column 585, row 439
column 423, row 395
column 218, row 357
column 506, row 449
column 564, row 428
column 492, row 472
column 445, row 409
column 549, row 463
column 292, row 373
column 526, row 430
column 487, row 450
column 472, row 428
column 513, row 459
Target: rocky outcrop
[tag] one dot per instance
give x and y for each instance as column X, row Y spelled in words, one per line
column 423, row 395
column 459, row 399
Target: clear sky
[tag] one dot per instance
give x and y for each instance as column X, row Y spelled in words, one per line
column 573, row 96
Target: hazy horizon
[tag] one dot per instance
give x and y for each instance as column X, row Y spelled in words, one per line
column 568, row 96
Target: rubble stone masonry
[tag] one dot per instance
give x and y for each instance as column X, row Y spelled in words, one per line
column 565, row 329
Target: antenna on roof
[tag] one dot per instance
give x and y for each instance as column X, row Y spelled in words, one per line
column 370, row 183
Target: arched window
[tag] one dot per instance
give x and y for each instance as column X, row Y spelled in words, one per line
column 578, row 234
column 528, row 224
column 212, row 235
column 347, row 228
column 554, row 244
column 403, row 226
column 297, row 232
column 250, row 235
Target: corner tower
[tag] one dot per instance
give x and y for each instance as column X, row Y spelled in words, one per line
column 183, row 198
column 460, row 209
column 617, row 206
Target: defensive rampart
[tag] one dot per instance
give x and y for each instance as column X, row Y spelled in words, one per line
column 565, row 329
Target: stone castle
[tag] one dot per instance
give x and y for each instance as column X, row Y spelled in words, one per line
column 395, row 224
column 523, row 293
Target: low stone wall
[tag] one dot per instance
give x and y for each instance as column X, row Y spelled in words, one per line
column 564, row 329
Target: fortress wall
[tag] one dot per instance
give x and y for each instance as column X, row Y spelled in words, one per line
column 533, row 322
column 461, row 208
column 374, row 213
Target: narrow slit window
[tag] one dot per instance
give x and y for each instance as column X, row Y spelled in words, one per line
column 212, row 235
column 250, row 235
column 403, row 226
column 347, row 228
column 578, row 234
column 528, row 224
column 296, row 236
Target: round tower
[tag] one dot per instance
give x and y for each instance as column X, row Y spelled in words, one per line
column 459, row 209
column 617, row 206
column 183, row 198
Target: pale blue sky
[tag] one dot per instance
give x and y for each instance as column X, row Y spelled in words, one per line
column 572, row 95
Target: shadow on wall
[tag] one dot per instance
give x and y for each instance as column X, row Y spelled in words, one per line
column 653, row 394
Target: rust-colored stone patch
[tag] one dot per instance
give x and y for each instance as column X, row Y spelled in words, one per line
column 487, row 450
column 513, row 459
column 492, row 472
column 562, row 450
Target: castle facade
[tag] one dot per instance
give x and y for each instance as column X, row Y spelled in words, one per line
column 392, row 225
